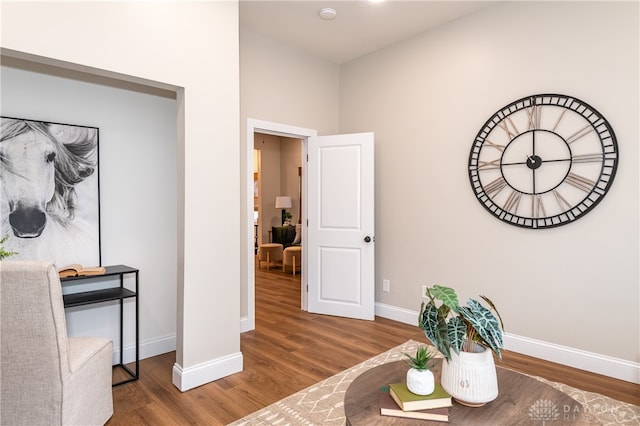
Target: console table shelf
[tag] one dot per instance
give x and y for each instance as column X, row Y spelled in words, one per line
column 96, row 296
column 106, row 295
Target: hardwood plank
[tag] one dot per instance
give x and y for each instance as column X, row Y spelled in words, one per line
column 290, row 350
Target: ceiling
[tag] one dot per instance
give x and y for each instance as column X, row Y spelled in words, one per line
column 360, row 27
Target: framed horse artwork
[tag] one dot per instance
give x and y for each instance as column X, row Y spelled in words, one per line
column 50, row 191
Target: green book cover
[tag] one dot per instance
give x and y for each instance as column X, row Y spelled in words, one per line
column 409, row 401
column 388, row 407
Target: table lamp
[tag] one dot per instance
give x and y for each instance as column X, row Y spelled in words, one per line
column 283, row 202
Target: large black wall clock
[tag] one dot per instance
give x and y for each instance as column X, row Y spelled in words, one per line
column 543, row 161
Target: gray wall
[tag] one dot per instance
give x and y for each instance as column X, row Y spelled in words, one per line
column 138, row 178
column 426, row 99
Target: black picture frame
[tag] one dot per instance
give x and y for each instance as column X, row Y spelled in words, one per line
column 50, row 191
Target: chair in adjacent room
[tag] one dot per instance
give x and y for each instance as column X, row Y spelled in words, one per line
column 46, row 376
column 270, row 253
column 292, row 256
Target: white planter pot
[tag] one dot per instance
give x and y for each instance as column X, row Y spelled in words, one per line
column 470, row 377
column 420, row 382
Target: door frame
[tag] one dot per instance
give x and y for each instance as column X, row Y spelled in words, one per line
column 247, row 245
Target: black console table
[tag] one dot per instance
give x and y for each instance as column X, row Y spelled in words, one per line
column 109, row 294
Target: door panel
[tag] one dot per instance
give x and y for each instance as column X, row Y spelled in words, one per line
column 339, row 267
column 341, row 214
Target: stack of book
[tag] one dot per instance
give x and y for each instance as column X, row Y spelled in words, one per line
column 398, row 401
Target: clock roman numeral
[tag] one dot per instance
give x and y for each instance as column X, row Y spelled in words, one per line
column 534, row 112
column 494, row 145
column 564, row 204
column 587, row 158
column 537, row 206
column 558, row 122
column 495, row 186
column 510, row 128
column 489, row 165
column 577, row 135
column 513, row 201
column 580, row 133
column 580, row 182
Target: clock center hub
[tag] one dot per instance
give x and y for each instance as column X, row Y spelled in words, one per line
column 534, row 161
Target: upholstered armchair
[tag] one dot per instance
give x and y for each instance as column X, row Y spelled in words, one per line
column 48, row 378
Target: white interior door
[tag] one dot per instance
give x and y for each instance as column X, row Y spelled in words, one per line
column 341, row 249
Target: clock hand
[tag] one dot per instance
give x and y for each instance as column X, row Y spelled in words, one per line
column 556, row 160
column 533, row 142
column 533, row 174
column 532, row 159
column 533, row 163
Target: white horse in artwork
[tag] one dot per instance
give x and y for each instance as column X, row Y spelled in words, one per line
column 41, row 166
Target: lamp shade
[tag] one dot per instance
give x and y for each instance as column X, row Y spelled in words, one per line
column 283, row 202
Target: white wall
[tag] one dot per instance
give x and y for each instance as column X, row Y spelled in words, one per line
column 291, row 159
column 287, row 86
column 138, row 193
column 192, row 49
column 426, row 98
column 280, row 159
column 269, row 146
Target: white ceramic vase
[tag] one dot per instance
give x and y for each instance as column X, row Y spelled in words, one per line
column 420, row 382
column 470, row 377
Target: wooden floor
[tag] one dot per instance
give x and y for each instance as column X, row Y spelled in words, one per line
column 290, row 350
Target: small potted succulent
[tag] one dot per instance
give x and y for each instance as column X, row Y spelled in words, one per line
column 466, row 337
column 420, row 379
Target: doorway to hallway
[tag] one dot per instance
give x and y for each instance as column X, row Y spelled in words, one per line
column 267, row 128
column 277, row 174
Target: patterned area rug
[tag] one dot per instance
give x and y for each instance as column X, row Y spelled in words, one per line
column 322, row 403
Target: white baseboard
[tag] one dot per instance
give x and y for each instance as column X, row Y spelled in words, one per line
column 148, row 348
column 577, row 358
column 405, row 316
column 589, row 361
column 244, row 325
column 183, row 379
column 200, row 374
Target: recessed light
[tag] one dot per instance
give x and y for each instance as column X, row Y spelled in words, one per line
column 328, row 13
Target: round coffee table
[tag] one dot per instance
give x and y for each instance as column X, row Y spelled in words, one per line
column 521, row 400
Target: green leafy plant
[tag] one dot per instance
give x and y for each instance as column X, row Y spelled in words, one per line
column 450, row 326
column 3, row 252
column 421, row 360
